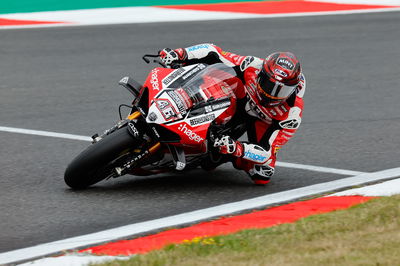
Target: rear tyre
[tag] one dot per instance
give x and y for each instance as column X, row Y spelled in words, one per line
column 94, row 164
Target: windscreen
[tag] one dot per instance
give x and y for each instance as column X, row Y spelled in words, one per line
column 204, row 83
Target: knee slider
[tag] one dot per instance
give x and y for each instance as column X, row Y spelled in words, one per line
column 255, row 153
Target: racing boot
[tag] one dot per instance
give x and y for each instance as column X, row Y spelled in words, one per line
column 261, row 174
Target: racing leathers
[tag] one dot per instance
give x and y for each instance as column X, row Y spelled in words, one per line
column 267, row 128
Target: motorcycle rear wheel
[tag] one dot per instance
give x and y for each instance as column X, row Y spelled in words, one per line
column 94, row 164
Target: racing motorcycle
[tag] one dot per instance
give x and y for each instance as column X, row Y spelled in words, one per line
column 174, row 118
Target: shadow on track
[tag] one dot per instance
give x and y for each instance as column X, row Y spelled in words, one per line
column 190, row 180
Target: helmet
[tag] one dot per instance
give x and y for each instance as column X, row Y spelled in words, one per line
column 278, row 78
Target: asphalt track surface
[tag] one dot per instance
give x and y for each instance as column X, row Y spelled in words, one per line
column 65, row 80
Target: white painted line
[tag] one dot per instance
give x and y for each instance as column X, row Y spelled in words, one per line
column 84, row 138
column 388, row 188
column 194, row 216
column 319, row 169
column 129, row 15
column 44, row 133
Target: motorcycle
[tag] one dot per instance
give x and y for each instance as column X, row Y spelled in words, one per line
column 174, row 119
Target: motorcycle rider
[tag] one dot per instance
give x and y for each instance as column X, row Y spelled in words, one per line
column 270, row 104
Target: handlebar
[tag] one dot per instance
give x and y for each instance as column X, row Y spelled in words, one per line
column 176, row 64
column 157, row 60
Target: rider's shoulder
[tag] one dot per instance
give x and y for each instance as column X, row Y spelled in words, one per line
column 251, row 62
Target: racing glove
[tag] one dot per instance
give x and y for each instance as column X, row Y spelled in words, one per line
column 172, row 58
column 227, row 145
column 250, row 152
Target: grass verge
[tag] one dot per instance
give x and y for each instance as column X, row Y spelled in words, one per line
column 366, row 234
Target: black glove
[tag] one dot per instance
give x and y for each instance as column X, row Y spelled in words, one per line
column 172, row 58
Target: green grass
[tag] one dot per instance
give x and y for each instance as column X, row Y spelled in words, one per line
column 366, row 234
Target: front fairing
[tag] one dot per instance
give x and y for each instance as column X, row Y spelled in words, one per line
column 188, row 99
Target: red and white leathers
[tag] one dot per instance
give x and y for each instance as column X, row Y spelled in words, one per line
column 267, row 128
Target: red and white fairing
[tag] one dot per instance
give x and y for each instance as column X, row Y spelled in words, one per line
column 187, row 100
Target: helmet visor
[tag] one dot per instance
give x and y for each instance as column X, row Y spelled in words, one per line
column 273, row 91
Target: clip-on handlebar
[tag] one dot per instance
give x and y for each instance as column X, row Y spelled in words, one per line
column 177, row 64
column 157, row 60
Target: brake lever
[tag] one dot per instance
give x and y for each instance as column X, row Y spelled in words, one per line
column 145, row 58
column 148, row 55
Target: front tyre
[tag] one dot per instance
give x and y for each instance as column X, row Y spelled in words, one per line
column 95, row 163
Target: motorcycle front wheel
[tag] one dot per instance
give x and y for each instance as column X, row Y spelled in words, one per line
column 93, row 164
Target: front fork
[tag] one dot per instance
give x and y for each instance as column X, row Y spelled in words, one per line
column 135, row 160
column 147, row 135
column 121, row 123
column 131, row 123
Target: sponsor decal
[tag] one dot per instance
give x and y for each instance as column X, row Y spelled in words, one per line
column 168, row 113
column 273, row 112
column 133, row 129
column 166, row 108
column 283, row 107
column 202, row 119
column 155, row 132
column 192, row 135
column 236, row 59
column 280, row 72
column 266, row 171
column 254, row 157
column 220, row 105
column 186, row 99
column 246, row 62
column 251, row 88
column 193, row 71
column 285, row 63
column 290, row 124
column 197, row 47
column 130, row 163
column 173, row 76
column 161, row 104
column 256, row 109
column 154, row 79
column 152, row 116
column 179, row 103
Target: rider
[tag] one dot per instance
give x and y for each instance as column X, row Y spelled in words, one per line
column 270, row 103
